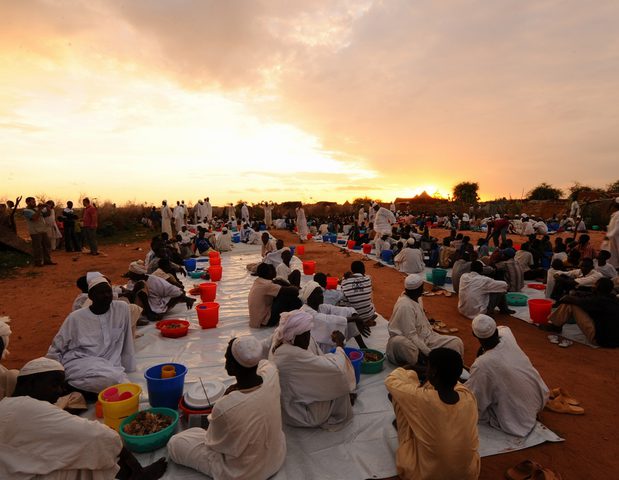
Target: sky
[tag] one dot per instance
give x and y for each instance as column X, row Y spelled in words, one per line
column 305, row 100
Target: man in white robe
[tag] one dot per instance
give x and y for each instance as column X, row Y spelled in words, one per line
column 361, row 216
column 410, row 258
column 392, row 208
column 95, row 344
column 372, row 212
column 39, row 440
column 223, row 241
column 302, row 229
column 383, row 221
column 244, row 439
column 244, row 213
column 166, row 218
column 315, row 387
column 268, row 215
column 510, row 392
column 7, row 377
column 612, row 233
column 410, row 332
column 481, row 294
column 179, row 216
column 208, row 209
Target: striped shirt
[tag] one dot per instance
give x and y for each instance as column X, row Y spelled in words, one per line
column 357, row 292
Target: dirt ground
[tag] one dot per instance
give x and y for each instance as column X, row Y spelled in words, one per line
column 38, row 299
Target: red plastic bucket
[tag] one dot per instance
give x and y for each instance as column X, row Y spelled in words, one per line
column 310, row 236
column 208, row 291
column 539, row 309
column 331, row 283
column 208, row 314
column 309, row 267
column 367, row 248
column 300, row 250
column 351, row 244
column 215, row 272
column 213, row 254
column 215, row 261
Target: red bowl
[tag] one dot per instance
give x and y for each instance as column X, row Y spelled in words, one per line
column 186, row 410
column 536, row 286
column 166, row 331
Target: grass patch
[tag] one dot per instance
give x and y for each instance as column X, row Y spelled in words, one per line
column 11, row 261
column 131, row 234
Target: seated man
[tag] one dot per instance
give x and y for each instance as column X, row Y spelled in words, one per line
column 461, row 266
column 244, row 439
column 267, row 300
column 290, row 268
column 7, row 377
column 201, row 244
column 509, row 390
column 603, row 265
column 583, row 278
column 315, row 387
column 95, row 344
column 155, row 295
column 357, row 291
column 436, row 421
column 54, row 444
column 328, row 318
column 597, row 314
column 410, row 258
column 223, row 241
column 275, row 257
column 410, row 333
column 511, row 270
column 480, row 294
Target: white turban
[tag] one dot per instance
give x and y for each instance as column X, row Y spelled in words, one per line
column 410, row 241
column 413, row 281
column 40, row 365
column 137, row 267
column 307, row 290
column 292, row 324
column 5, row 332
column 95, row 278
column 247, row 350
column 484, row 326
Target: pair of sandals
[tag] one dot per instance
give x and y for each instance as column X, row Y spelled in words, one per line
column 438, row 292
column 529, row 469
column 560, row 341
column 561, row 401
column 440, row 327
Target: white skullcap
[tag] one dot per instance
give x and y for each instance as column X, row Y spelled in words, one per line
column 95, row 278
column 413, row 281
column 5, row 333
column 137, row 267
column 292, row 324
column 410, row 241
column 307, row 290
column 484, row 326
column 40, row 365
column 247, row 350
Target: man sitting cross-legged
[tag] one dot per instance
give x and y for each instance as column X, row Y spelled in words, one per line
column 436, row 421
column 244, row 439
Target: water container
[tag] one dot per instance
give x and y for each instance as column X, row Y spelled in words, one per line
column 215, row 261
column 208, row 314
column 236, row 238
column 309, row 267
column 190, row 264
column 356, row 358
column 332, row 283
column 301, row 250
column 539, row 309
column 208, row 291
column 387, row 256
column 351, row 244
column 438, row 276
column 114, row 412
column 292, row 249
column 367, row 248
column 215, row 272
column 165, row 392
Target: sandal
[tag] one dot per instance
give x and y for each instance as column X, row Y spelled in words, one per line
column 545, row 474
column 554, row 339
column 442, row 330
column 564, row 343
column 560, row 392
column 560, row 405
column 523, row 470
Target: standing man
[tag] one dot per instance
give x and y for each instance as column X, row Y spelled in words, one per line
column 301, row 223
column 244, row 213
column 179, row 216
column 208, row 209
column 383, row 220
column 268, row 215
column 612, row 232
column 166, row 218
column 37, row 228
column 361, row 216
column 89, row 228
column 68, row 219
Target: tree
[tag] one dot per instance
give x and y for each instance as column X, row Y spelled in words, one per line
column 466, row 192
column 613, row 187
column 544, row 192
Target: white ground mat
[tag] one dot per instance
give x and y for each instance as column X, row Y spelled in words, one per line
column 365, row 448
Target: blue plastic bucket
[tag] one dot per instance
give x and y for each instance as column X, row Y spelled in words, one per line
column 356, row 364
column 190, row 264
column 165, row 392
column 236, row 238
column 438, row 276
column 292, row 249
column 262, row 227
column 387, row 256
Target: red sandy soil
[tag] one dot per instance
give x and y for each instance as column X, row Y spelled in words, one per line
column 38, row 299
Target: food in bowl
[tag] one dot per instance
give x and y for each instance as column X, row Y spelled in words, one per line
column 146, row 423
column 372, row 356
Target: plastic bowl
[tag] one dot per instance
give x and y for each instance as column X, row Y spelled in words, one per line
column 372, row 367
column 516, row 299
column 166, row 331
column 154, row 441
column 196, row 273
column 114, row 412
column 536, row 286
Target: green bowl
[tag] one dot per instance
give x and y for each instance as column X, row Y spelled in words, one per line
column 196, row 274
column 516, row 299
column 372, row 367
column 154, row 441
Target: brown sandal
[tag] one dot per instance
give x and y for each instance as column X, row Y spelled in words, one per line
column 560, row 392
column 560, row 405
column 523, row 470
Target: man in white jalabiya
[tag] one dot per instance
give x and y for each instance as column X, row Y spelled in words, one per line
column 481, row 294
column 315, row 387
column 410, row 333
column 95, row 344
column 510, row 392
column 410, row 258
column 383, row 221
column 244, row 439
column 302, row 229
column 39, row 440
column 166, row 218
column 179, row 216
column 244, row 213
column 268, row 215
column 198, row 212
column 208, row 209
column 361, row 216
column 613, row 235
